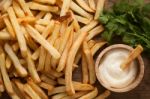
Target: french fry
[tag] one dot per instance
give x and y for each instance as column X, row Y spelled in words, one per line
column 85, row 74
column 46, row 86
column 8, row 63
column 54, row 61
column 36, row 35
column 43, row 22
column 19, row 34
column 19, row 12
column 47, row 63
column 4, row 5
column 75, row 22
column 39, row 28
column 104, row 95
column 56, row 90
column 5, row 35
column 28, row 90
column 97, row 30
column 42, row 57
column 48, row 30
column 20, row 69
column 80, row 11
column 46, row 1
column 41, row 7
column 82, row 19
column 65, row 38
column 48, row 80
column 65, row 7
column 59, row 96
column 2, row 24
column 6, row 79
column 20, row 88
column 90, row 95
column 77, row 85
column 36, row 54
column 49, row 75
column 63, row 59
column 132, row 55
column 55, row 73
column 76, row 96
column 99, row 8
column 84, row 5
column 97, row 46
column 32, row 70
column 2, row 88
column 25, row 7
column 91, row 43
column 37, row 89
column 27, row 19
column 90, row 61
column 47, row 16
column 92, row 4
column 71, row 57
column 40, row 15
column 9, row 27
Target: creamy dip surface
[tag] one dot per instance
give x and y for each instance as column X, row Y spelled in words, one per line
column 110, row 71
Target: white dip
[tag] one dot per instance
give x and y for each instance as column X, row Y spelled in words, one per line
column 110, row 71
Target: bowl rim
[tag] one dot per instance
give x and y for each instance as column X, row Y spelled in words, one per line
column 138, row 79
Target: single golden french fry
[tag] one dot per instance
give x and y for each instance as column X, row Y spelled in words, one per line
column 59, row 95
column 43, row 22
column 25, row 7
column 65, row 38
column 82, row 19
column 90, row 61
column 92, row 4
column 85, row 74
column 40, row 15
column 6, row 79
column 20, row 87
column 55, row 73
column 48, row 30
column 46, row 1
column 32, row 70
column 36, row 54
column 36, row 35
column 4, row 5
column 27, row 19
column 20, row 69
column 47, row 63
column 90, row 95
column 133, row 55
column 2, row 88
column 79, row 10
column 65, row 7
column 19, row 12
column 77, row 85
column 8, row 63
column 63, row 59
column 28, row 90
column 78, row 56
column 39, row 28
column 97, row 46
column 41, row 7
column 71, row 57
column 91, row 43
column 49, row 75
column 9, row 27
column 48, row 16
column 48, row 80
column 54, row 61
column 37, row 89
column 104, row 95
column 56, row 90
column 19, row 33
column 84, row 5
column 42, row 57
column 46, row 86
column 4, row 35
column 99, row 8
column 76, row 96
column 95, row 31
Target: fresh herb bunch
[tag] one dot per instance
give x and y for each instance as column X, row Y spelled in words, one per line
column 130, row 20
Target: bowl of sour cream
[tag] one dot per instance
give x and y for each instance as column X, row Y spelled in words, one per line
column 110, row 74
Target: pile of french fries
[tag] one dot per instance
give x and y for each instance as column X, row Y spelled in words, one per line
column 43, row 41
